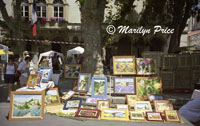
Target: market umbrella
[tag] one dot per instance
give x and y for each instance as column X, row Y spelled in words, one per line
column 76, row 50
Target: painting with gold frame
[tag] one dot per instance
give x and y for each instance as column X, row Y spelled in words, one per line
column 32, row 80
column 154, row 116
column 131, row 99
column 26, row 105
column 136, row 115
column 103, row 104
column 72, row 70
column 124, row 65
column 162, row 105
column 172, row 116
column 143, row 106
column 145, row 66
column 114, row 114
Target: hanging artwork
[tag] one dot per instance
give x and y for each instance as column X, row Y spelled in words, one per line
column 72, row 70
column 145, row 66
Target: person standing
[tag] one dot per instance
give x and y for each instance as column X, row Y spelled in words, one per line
column 55, row 64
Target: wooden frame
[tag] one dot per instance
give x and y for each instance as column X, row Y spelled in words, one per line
column 72, row 103
column 88, row 113
column 124, row 85
column 84, row 82
column 120, row 64
column 46, row 73
column 162, row 105
column 143, row 106
column 52, row 96
column 99, row 87
column 144, row 83
column 131, row 99
column 137, row 115
column 142, row 64
column 152, row 97
column 32, row 80
column 103, row 104
column 72, row 70
column 115, row 114
column 68, row 95
column 121, row 106
column 21, row 102
column 172, row 116
column 154, row 116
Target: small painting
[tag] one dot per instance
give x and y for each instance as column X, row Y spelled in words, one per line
column 68, row 95
column 131, row 99
column 69, row 112
column 93, row 101
column 124, row 85
column 39, row 77
column 52, row 96
column 103, row 104
column 99, row 87
column 152, row 97
column 26, row 105
column 121, row 106
column 124, row 65
column 72, row 103
column 154, row 116
column 137, row 115
column 84, row 82
column 114, row 114
column 143, row 106
column 89, row 113
column 172, row 116
column 32, row 80
column 72, row 70
column 162, row 105
column 145, row 66
column 46, row 73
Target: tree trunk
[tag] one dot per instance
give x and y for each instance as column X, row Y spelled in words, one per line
column 92, row 17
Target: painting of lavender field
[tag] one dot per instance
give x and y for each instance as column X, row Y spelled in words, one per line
column 124, row 86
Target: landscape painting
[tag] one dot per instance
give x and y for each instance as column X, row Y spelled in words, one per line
column 99, row 87
column 26, row 106
column 32, row 80
column 52, row 97
column 162, row 105
column 143, row 106
column 137, row 115
column 114, row 114
column 72, row 70
column 89, row 113
column 84, row 82
column 131, row 99
column 93, row 101
column 103, row 104
column 72, row 103
column 172, row 116
column 145, row 66
column 154, row 116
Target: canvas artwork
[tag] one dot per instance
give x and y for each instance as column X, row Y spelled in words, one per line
column 145, row 66
column 89, row 113
column 72, row 70
column 125, row 85
column 114, row 114
column 52, row 97
column 131, row 99
column 70, row 112
column 46, row 73
column 124, row 65
column 162, row 105
column 68, row 95
column 103, row 104
column 155, row 97
column 172, row 116
column 26, row 105
column 32, row 80
column 99, row 87
column 154, row 116
column 137, row 115
column 122, row 106
column 143, row 106
column 39, row 77
column 84, row 82
column 93, row 101
column 72, row 103
column 148, row 85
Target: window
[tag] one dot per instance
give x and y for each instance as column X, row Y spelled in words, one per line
column 24, row 10
column 41, row 9
column 58, row 8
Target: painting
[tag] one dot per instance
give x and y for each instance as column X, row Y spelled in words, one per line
column 114, row 114
column 148, row 85
column 88, row 113
column 32, row 80
column 137, row 115
column 99, row 87
column 69, row 112
column 26, row 105
column 52, row 97
column 124, row 85
column 143, row 106
column 124, row 65
column 172, row 116
column 162, row 105
column 93, row 101
column 145, row 66
column 46, row 73
column 152, row 97
column 131, row 99
column 39, row 77
column 122, row 106
column 154, row 116
column 72, row 103
column 68, row 95
column 103, row 104
column 72, row 70
column 84, row 82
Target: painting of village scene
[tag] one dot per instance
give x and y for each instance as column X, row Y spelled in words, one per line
column 52, row 96
column 72, row 71
column 124, row 86
column 115, row 114
column 99, row 87
column 145, row 66
column 83, row 82
column 26, row 106
column 124, row 65
column 148, row 85
column 142, row 106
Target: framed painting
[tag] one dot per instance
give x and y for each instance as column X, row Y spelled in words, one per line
column 39, row 77
column 124, row 65
column 46, row 73
column 93, row 101
column 145, row 66
column 103, row 104
column 26, row 105
column 148, row 85
column 72, row 104
column 69, row 112
column 84, row 82
column 124, row 85
column 72, row 70
column 154, row 116
column 32, row 80
column 143, row 106
column 121, row 106
column 162, row 105
column 114, row 114
column 131, row 99
column 68, row 95
column 152, row 97
column 88, row 113
column 99, row 87
column 136, row 115
column 52, row 97
column 172, row 116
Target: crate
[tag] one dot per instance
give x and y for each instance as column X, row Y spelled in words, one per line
column 169, row 62
column 168, row 79
column 183, row 79
column 196, row 60
column 184, row 61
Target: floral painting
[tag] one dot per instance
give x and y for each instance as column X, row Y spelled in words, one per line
column 145, row 66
